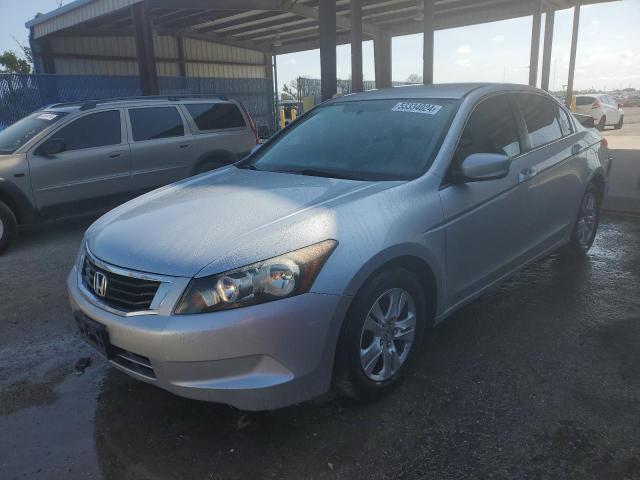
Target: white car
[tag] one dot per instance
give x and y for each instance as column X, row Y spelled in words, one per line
column 604, row 109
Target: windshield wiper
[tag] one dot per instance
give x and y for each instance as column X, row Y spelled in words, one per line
column 320, row 173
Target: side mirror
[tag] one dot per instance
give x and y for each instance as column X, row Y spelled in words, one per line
column 479, row 167
column 52, row 146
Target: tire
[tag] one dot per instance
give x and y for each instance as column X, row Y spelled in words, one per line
column 618, row 125
column 8, row 227
column 362, row 358
column 207, row 167
column 586, row 226
column 602, row 123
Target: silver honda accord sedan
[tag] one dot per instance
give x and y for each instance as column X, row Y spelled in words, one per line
column 326, row 256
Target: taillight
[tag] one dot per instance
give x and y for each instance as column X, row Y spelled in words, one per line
column 252, row 124
column 596, row 104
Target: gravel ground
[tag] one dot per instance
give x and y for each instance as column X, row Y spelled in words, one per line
column 537, row 379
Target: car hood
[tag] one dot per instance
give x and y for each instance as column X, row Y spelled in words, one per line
column 179, row 229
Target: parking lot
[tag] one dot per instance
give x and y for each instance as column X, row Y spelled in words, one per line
column 537, row 379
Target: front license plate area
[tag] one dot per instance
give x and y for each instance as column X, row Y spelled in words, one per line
column 95, row 334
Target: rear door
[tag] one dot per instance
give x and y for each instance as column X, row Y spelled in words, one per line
column 162, row 146
column 222, row 133
column 93, row 172
column 556, row 154
column 489, row 232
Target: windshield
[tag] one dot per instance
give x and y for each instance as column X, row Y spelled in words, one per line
column 361, row 140
column 16, row 135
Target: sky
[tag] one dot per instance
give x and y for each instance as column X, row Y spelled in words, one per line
column 608, row 48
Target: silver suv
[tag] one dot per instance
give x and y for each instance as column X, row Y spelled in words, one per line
column 78, row 157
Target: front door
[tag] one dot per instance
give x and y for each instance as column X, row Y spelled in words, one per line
column 488, row 227
column 91, row 173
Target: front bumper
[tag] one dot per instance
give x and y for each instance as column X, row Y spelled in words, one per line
column 254, row 358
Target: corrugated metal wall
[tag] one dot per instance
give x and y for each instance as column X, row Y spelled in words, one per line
column 117, row 56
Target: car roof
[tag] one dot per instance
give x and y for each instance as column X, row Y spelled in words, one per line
column 440, row 90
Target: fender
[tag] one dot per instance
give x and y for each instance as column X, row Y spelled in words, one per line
column 17, row 201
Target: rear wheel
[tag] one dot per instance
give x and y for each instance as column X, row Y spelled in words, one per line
column 586, row 226
column 602, row 123
column 382, row 333
column 8, row 227
column 618, row 125
column 208, row 166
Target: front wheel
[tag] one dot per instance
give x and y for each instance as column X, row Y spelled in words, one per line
column 8, row 227
column 586, row 226
column 618, row 125
column 382, row 333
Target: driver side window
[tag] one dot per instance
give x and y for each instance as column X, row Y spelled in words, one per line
column 95, row 130
column 491, row 128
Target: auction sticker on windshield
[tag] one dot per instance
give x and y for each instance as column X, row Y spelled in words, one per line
column 414, row 107
column 47, row 116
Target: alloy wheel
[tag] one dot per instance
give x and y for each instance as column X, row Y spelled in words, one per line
column 387, row 334
column 587, row 222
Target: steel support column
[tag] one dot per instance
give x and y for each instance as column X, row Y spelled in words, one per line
column 181, row 63
column 547, row 49
column 382, row 58
column 144, row 49
column 535, row 44
column 328, row 73
column 572, row 55
column 356, row 46
column 428, row 43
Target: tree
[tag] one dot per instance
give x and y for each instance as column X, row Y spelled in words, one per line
column 14, row 64
column 414, row 78
column 289, row 91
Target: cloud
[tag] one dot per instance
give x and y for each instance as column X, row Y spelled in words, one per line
column 463, row 62
column 498, row 38
column 464, row 49
column 292, row 61
column 595, row 22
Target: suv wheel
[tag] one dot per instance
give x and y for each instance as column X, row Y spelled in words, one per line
column 586, row 226
column 383, row 330
column 8, row 227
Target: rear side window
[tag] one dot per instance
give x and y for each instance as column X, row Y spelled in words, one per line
column 540, row 117
column 565, row 123
column 582, row 101
column 490, row 129
column 155, row 122
column 216, row 116
column 96, row 130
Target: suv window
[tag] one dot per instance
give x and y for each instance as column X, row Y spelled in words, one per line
column 216, row 116
column 155, row 122
column 95, row 130
column 540, row 118
column 490, row 129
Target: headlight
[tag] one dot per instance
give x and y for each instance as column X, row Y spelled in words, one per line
column 279, row 277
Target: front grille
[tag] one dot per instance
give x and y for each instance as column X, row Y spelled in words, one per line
column 132, row 361
column 126, row 294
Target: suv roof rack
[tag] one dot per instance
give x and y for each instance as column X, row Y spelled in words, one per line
column 89, row 104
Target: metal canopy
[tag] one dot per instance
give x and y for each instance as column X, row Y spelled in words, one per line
column 277, row 26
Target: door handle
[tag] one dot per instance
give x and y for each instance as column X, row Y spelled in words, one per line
column 114, row 155
column 185, row 145
column 527, row 173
